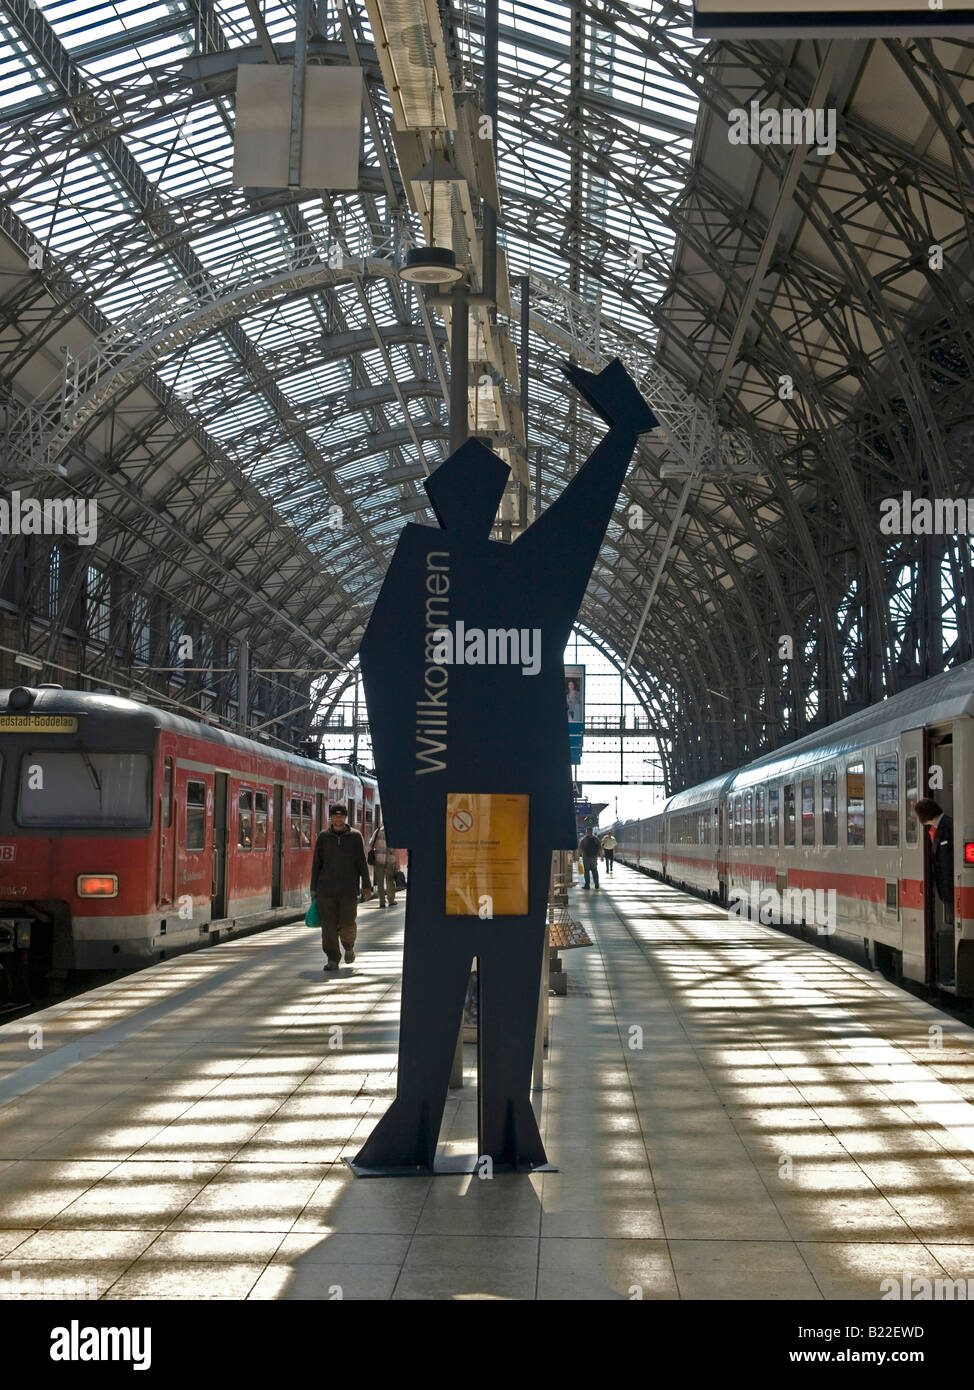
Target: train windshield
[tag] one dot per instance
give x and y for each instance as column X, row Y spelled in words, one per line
column 91, row 789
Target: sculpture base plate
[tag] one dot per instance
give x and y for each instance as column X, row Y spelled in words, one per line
column 451, row 1165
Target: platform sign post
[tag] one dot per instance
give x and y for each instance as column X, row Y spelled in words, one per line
column 462, row 663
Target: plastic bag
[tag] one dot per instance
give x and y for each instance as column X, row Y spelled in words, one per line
column 311, row 918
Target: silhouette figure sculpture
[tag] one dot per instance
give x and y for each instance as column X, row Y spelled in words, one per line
column 442, row 729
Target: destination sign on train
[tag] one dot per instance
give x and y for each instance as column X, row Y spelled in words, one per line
column 38, row 723
column 760, row 19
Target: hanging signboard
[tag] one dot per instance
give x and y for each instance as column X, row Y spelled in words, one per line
column 575, row 700
column 759, row 19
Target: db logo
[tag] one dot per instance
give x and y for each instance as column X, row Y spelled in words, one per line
column 7, row 853
column 462, row 820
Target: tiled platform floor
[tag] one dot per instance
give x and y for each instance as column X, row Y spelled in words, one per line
column 734, row 1115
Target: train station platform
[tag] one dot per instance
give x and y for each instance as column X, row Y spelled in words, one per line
column 734, row 1114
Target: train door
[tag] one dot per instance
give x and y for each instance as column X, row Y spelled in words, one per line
column 941, row 949
column 167, row 836
column 277, row 856
column 218, row 901
column 913, row 902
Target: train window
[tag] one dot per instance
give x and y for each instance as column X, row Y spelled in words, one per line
column 738, row 836
column 748, row 819
column 245, row 819
column 855, row 796
column 305, row 824
column 295, row 840
column 759, row 817
column 789, row 813
column 912, row 796
column 167, row 792
column 808, row 812
column 830, row 819
column 888, row 800
column 195, row 814
column 773, row 832
column 351, row 811
column 85, row 788
column 260, row 820
column 701, row 827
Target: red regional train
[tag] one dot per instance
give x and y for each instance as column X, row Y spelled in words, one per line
column 128, row 834
column 820, row 837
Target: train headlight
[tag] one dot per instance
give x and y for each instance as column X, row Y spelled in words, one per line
column 97, row 886
column 969, row 852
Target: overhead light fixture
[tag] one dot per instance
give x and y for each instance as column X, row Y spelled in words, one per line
column 31, row 662
column 431, row 265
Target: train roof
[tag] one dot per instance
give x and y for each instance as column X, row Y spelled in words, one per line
column 947, row 696
column 148, row 718
column 692, row 796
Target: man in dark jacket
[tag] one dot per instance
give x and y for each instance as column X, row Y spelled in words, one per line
column 590, row 849
column 338, row 867
column 940, row 830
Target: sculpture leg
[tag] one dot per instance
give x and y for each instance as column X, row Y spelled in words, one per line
column 436, row 967
column 509, row 971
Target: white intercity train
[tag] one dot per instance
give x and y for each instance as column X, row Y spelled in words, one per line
column 820, row 836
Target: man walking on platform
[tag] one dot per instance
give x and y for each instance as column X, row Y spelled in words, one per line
column 609, row 846
column 338, row 868
column 383, row 861
column 590, row 849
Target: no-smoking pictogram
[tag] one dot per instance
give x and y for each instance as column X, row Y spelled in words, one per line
column 462, row 820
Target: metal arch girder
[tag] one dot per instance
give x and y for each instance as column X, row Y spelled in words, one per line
column 789, row 489
column 122, row 355
column 649, row 698
column 721, row 614
column 116, row 156
column 691, row 427
column 177, row 539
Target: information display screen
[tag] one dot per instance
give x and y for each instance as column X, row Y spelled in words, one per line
column 759, row 19
column 486, row 855
column 38, row 723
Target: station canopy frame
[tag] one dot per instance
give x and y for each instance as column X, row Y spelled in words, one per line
column 253, row 396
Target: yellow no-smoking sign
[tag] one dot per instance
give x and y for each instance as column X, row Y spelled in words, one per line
column 486, row 854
